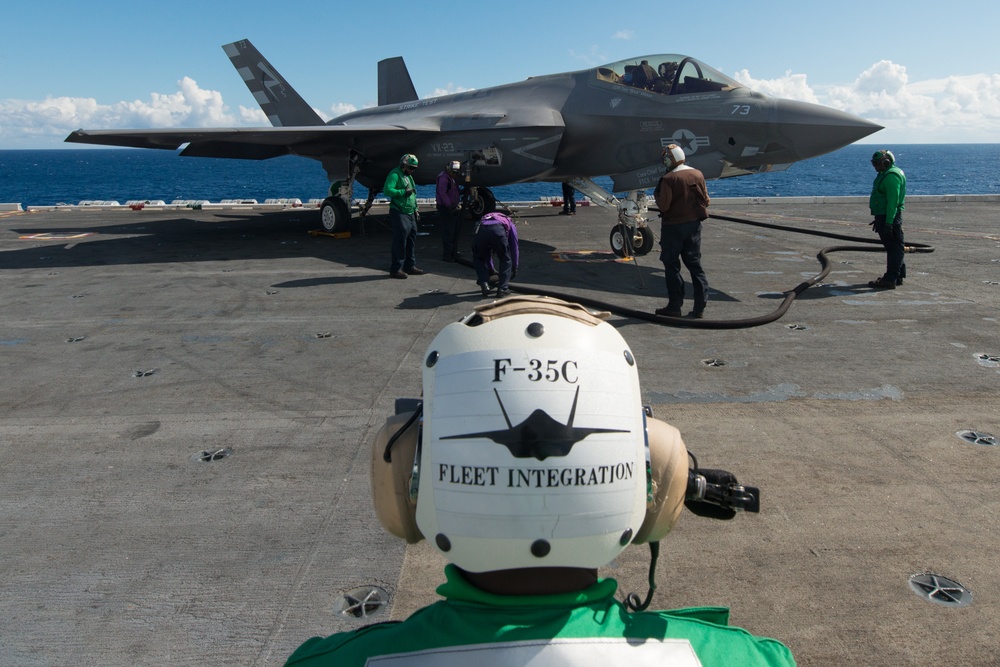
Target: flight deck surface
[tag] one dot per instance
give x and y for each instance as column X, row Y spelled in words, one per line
column 189, row 399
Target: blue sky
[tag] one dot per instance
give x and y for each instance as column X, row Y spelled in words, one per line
column 928, row 71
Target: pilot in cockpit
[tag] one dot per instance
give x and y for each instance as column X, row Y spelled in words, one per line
column 665, row 77
column 643, row 75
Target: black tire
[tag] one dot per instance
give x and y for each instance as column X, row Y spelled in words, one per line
column 484, row 202
column 334, row 215
column 647, row 242
column 621, row 241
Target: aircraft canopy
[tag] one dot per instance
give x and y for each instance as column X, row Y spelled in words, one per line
column 668, row 74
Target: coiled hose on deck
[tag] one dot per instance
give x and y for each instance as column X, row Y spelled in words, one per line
column 774, row 315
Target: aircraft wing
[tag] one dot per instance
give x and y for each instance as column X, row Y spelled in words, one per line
column 250, row 143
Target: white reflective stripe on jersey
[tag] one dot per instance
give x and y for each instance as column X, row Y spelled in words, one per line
column 582, row 652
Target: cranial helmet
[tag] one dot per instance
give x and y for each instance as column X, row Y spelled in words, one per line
column 673, row 155
column 880, row 156
column 455, row 166
column 409, row 160
column 534, row 449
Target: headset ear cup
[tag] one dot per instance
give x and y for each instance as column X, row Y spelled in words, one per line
column 390, row 482
column 668, row 462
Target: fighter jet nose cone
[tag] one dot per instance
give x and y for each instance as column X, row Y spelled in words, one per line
column 808, row 130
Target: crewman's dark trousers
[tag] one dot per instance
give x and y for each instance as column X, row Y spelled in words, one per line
column 682, row 243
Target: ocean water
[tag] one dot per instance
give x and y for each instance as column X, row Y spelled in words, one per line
column 47, row 177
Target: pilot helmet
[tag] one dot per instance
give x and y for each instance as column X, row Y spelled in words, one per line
column 409, row 160
column 454, row 166
column 534, row 450
column 881, row 156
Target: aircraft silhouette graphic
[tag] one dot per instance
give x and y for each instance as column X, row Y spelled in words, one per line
column 539, row 436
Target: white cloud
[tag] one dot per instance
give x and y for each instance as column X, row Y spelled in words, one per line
column 953, row 109
column 593, row 57
column 790, row 86
column 339, row 109
column 253, row 117
column 884, row 76
column 450, row 89
column 25, row 122
column 623, row 34
column 956, row 109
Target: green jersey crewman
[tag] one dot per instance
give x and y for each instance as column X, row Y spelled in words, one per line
column 402, row 193
column 530, row 464
column 886, row 204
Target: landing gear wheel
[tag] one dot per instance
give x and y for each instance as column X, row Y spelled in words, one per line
column 621, row 241
column 484, row 202
column 645, row 241
column 334, row 215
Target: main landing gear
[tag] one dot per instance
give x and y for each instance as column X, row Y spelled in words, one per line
column 479, row 200
column 335, row 211
column 335, row 214
column 632, row 236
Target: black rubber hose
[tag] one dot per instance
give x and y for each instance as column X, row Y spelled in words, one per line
column 774, row 315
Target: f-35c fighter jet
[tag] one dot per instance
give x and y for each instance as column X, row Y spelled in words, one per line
column 612, row 120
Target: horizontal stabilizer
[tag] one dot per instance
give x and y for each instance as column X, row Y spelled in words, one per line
column 394, row 83
column 281, row 104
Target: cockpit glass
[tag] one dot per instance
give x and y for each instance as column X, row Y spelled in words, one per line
column 667, row 75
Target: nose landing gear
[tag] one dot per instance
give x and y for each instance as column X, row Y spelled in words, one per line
column 632, row 236
column 629, row 240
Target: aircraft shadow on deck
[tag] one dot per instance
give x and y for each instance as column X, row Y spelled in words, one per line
column 162, row 240
column 235, row 237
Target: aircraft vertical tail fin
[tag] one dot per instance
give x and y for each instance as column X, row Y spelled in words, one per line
column 394, row 83
column 280, row 103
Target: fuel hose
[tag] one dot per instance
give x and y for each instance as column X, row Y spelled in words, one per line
column 872, row 245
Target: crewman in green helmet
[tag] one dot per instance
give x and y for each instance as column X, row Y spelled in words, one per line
column 886, row 204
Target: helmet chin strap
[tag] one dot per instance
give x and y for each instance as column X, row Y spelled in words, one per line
column 632, row 599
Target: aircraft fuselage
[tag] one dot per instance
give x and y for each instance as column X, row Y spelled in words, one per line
column 611, row 120
column 594, row 123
